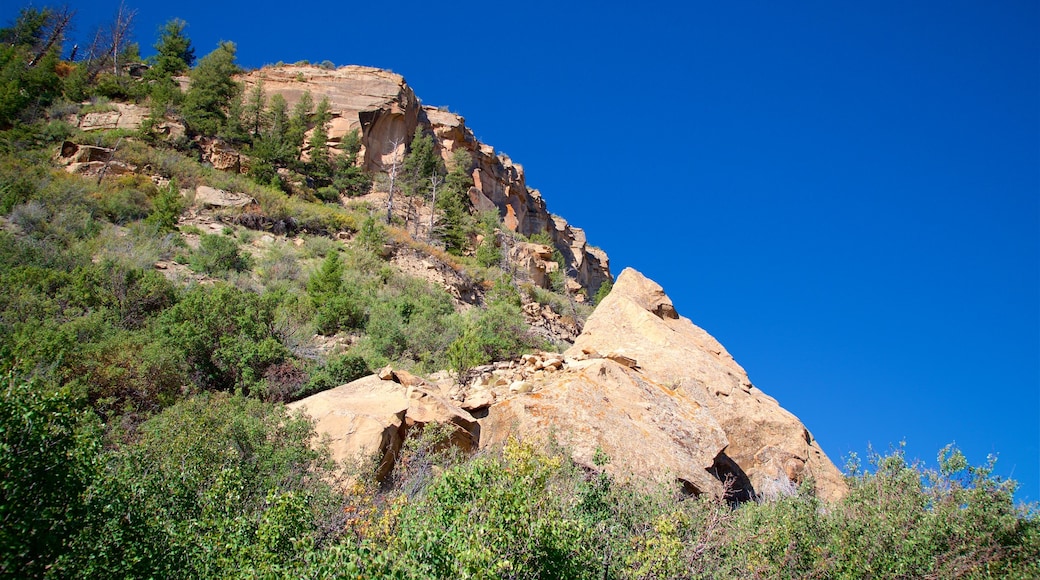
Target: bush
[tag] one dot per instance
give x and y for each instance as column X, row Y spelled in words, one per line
column 218, row 254
column 337, row 371
column 48, row 449
column 216, row 486
column 226, row 336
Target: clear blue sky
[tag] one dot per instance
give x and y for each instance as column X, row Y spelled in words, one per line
column 847, row 195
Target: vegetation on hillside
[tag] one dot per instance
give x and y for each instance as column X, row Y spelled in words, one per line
column 142, row 425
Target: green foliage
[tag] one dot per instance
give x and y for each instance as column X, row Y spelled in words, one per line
column 299, row 122
column 215, row 486
column 167, row 208
column 218, row 254
column 337, row 307
column 226, row 336
column 497, row 517
column 453, row 202
column 603, row 291
column 48, row 450
column 488, row 254
column 212, row 91
column 29, row 58
column 409, row 322
column 336, row 371
column 420, row 164
column 320, row 165
column 497, row 332
column 371, row 236
column 347, row 177
column 174, row 53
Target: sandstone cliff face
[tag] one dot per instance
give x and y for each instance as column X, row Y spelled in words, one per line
column 657, row 394
column 384, row 110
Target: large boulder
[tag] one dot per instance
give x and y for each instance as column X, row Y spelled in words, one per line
column 768, row 444
column 599, row 405
column 373, row 416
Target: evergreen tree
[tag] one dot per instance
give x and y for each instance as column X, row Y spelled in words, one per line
column 347, row 177
column 423, row 170
column 253, row 112
column 421, row 163
column 320, row 166
column 212, row 91
column 453, row 226
column 29, row 56
column 299, row 122
column 174, row 55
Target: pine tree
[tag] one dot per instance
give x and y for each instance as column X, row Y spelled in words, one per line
column 347, row 177
column 174, row 55
column 212, row 90
column 320, row 166
column 453, row 205
column 253, row 113
column 299, row 122
column 422, row 170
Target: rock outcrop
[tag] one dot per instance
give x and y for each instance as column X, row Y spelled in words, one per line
column 766, row 442
column 646, row 386
column 373, row 415
column 385, row 111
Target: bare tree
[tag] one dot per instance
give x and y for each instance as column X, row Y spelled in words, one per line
column 107, row 43
column 122, row 29
column 58, row 22
column 395, row 169
column 435, row 181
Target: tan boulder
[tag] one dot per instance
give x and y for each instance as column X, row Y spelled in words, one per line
column 766, row 442
column 647, row 430
column 210, row 197
column 121, row 116
column 373, row 416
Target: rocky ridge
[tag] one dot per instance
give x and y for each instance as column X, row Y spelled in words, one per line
column 385, row 111
column 642, row 384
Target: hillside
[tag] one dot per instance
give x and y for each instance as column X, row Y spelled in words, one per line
column 290, row 322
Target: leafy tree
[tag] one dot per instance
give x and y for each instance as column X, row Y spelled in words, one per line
column 48, row 452
column 216, row 486
column 212, row 91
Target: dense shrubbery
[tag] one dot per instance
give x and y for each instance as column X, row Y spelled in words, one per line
column 226, row 486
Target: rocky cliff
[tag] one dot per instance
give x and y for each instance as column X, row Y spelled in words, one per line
column 646, row 386
column 385, row 111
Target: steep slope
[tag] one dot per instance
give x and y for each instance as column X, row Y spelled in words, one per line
column 385, row 111
column 646, row 386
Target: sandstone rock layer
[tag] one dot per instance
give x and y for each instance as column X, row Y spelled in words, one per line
column 385, row 111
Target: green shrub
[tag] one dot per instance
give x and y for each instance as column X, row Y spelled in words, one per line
column 336, row 371
column 48, row 450
column 225, row 335
column 218, row 254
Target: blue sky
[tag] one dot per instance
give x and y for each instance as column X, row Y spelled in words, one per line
column 847, row 195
